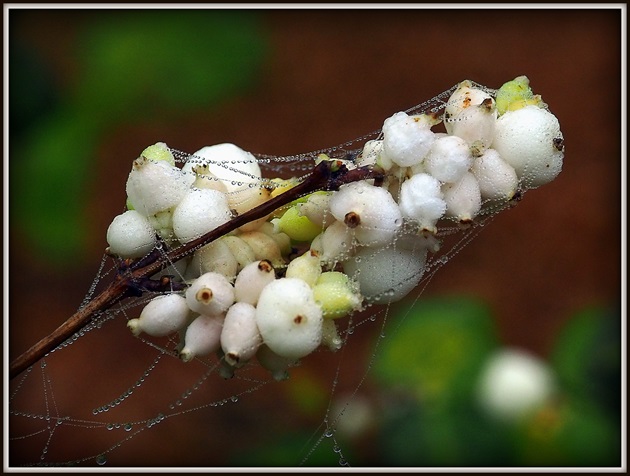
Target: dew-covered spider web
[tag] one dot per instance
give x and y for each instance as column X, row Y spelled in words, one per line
column 105, row 398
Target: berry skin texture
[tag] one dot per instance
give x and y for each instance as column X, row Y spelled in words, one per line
column 386, row 275
column 210, row 294
column 162, row 316
column 497, row 179
column 530, row 140
column 203, row 337
column 155, row 186
column 463, row 198
column 200, row 211
column 130, row 235
column 406, row 139
column 448, row 159
column 369, row 211
column 215, row 256
column 421, row 200
column 240, row 338
column 230, row 164
column 251, row 281
column 288, row 318
column 264, row 247
column 305, row 267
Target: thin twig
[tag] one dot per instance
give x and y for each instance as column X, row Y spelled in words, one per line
column 327, row 175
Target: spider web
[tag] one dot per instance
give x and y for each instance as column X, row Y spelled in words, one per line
column 104, row 397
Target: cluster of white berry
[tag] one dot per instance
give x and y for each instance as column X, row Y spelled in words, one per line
column 249, row 295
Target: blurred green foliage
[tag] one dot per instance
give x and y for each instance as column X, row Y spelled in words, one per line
column 427, row 412
column 133, row 65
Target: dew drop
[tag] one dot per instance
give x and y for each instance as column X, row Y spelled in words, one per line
column 110, row 426
column 101, row 460
column 128, row 427
column 234, row 398
column 328, row 433
column 336, row 449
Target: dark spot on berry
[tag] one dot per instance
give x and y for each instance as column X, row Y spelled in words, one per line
column 352, row 219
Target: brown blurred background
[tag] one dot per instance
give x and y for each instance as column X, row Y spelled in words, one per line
column 329, row 76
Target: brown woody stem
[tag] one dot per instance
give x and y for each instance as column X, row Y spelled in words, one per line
column 133, row 279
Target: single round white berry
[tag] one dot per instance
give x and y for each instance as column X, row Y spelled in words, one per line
column 386, row 275
column 463, row 198
column 497, row 179
column 514, row 383
column 369, row 211
column 200, row 211
column 154, row 186
column 203, row 337
column 251, row 281
column 130, row 235
column 240, row 338
column 530, row 140
column 449, row 158
column 421, row 200
column 163, row 315
column 406, row 139
column 288, row 318
column 210, row 294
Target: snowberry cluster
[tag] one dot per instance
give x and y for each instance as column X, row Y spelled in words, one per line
column 274, row 287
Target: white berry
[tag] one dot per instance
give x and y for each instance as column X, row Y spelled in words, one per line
column 251, row 281
column 210, row 294
column 203, row 337
column 530, row 140
column 288, row 318
column 449, row 158
column 386, row 275
column 163, row 315
column 421, row 200
column 155, row 186
column 497, row 179
column 200, row 211
column 240, row 337
column 130, row 235
column 514, row 383
column 406, row 139
column 369, row 211
column 463, row 198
